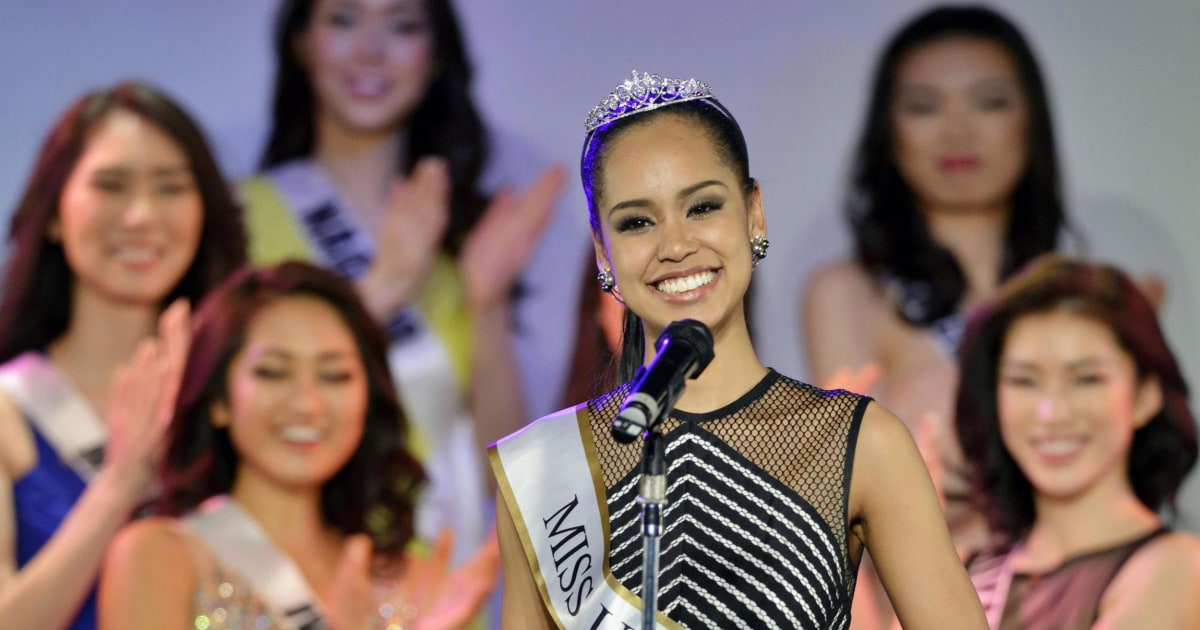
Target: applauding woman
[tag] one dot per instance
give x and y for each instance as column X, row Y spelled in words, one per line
column 125, row 213
column 288, row 479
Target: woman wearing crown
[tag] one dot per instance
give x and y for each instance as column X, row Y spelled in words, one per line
column 774, row 487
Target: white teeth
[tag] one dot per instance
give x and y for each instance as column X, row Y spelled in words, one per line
column 1059, row 447
column 136, row 255
column 300, row 434
column 687, row 283
column 368, row 86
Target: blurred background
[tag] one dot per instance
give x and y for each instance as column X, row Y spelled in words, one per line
column 1124, row 81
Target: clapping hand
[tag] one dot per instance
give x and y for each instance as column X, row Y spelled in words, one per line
column 444, row 599
column 142, row 402
column 502, row 241
column 408, row 237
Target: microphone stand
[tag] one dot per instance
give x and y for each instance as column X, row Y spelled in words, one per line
column 653, row 497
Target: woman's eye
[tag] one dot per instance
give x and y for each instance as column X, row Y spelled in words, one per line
column 705, row 207
column 109, row 185
column 408, row 26
column 343, row 19
column 1089, row 379
column 173, row 188
column 270, row 373
column 336, row 377
column 1018, row 381
column 632, row 223
column 995, row 103
column 918, row 108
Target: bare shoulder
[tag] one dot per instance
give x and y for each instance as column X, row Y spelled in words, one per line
column 883, row 436
column 152, row 542
column 1172, row 558
column 1150, row 591
column 844, row 283
column 17, row 451
column 886, row 460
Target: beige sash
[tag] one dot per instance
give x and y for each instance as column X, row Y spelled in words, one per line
column 549, row 478
column 57, row 410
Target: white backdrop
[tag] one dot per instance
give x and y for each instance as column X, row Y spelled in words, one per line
column 1123, row 77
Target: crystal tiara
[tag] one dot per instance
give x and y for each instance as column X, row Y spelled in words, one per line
column 642, row 94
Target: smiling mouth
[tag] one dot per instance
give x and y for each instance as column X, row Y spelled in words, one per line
column 674, row 286
column 301, row 434
column 1058, row 447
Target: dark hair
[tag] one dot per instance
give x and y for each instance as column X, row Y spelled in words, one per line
column 728, row 142
column 36, row 306
column 1163, row 450
column 445, row 123
column 374, row 492
column 892, row 238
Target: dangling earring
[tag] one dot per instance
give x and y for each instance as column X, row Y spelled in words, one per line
column 605, row 278
column 758, row 248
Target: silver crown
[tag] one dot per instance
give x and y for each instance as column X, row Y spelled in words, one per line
column 642, row 94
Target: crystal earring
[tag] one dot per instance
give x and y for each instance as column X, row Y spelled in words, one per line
column 758, row 248
column 605, row 278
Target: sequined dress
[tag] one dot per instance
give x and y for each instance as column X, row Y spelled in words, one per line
column 225, row 600
column 756, row 521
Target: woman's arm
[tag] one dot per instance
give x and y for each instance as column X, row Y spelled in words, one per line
column 1156, row 587
column 48, row 591
column 148, row 580
column 836, row 324
column 897, row 516
column 521, row 603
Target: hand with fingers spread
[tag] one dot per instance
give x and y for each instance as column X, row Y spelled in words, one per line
column 351, row 602
column 497, row 249
column 445, row 599
column 859, row 381
column 408, row 238
column 143, row 400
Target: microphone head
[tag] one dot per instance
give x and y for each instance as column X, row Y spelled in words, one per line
column 692, row 333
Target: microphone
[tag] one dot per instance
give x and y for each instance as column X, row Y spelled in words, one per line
column 684, row 349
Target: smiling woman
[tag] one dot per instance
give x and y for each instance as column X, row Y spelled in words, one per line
column 1075, row 412
column 775, row 487
column 124, row 214
column 288, row 479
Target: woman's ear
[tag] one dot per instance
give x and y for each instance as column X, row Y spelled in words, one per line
column 1148, row 401
column 218, row 414
column 755, row 217
column 54, row 231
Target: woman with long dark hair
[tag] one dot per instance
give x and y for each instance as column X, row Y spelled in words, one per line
column 954, row 186
column 373, row 167
column 124, row 214
column 288, row 481
column 1075, row 415
column 774, row 487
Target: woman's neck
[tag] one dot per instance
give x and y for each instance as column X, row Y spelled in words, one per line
column 734, row 370
column 100, row 336
column 361, row 165
column 976, row 240
column 290, row 518
column 1099, row 519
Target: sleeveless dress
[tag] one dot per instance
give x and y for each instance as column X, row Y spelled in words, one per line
column 1064, row 598
column 41, row 500
column 756, row 524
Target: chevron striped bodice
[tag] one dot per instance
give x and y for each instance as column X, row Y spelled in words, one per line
column 756, row 518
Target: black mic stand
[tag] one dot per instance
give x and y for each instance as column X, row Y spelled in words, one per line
column 653, row 497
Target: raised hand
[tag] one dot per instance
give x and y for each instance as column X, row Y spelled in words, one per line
column 351, row 604
column 408, row 238
column 859, row 381
column 446, row 600
column 142, row 401
column 502, row 241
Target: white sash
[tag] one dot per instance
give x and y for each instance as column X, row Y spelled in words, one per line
column 240, row 544
column 57, row 410
column 550, row 480
column 421, row 367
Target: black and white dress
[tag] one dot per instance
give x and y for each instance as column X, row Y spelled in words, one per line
column 756, row 527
